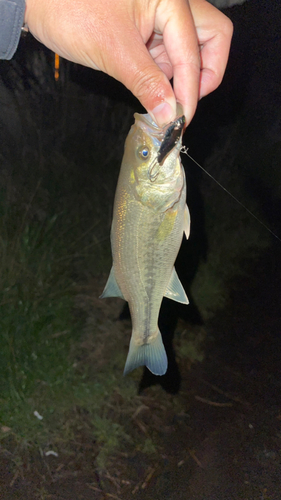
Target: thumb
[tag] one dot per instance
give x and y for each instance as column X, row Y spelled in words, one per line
column 135, row 68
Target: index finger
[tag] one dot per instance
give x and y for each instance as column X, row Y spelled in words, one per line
column 176, row 23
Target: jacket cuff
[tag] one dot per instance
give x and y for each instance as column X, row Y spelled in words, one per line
column 11, row 21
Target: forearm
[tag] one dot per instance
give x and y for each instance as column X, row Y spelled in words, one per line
column 11, row 22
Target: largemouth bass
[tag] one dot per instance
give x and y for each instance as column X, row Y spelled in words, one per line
column 149, row 218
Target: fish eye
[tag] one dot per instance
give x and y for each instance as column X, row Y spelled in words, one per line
column 143, row 152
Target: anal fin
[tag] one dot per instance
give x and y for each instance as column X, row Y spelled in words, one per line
column 175, row 290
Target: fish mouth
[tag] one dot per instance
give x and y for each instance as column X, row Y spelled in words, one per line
column 172, row 134
column 165, row 139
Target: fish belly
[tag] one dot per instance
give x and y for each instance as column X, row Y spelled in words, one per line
column 145, row 244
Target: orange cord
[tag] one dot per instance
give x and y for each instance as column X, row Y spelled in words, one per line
column 57, row 67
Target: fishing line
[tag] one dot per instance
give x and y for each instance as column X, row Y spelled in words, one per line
column 184, row 150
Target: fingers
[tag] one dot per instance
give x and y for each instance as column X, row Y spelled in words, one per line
column 158, row 53
column 214, row 31
column 134, row 66
column 181, row 44
column 190, row 44
column 141, row 43
column 172, row 51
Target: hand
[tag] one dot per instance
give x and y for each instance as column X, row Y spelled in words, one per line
column 141, row 43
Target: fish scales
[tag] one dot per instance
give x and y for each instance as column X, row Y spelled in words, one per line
column 149, row 218
column 143, row 273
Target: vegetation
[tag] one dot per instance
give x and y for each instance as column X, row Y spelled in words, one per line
column 61, row 359
column 234, row 235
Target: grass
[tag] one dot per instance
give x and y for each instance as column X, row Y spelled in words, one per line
column 36, row 321
column 58, row 358
column 40, row 252
column 109, row 436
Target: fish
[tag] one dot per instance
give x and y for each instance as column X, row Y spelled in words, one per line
column 150, row 216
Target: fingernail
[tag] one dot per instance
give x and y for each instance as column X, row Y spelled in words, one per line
column 163, row 114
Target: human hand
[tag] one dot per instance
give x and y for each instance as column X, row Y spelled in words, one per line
column 141, row 43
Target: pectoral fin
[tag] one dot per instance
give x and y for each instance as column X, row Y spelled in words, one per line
column 111, row 288
column 175, row 290
column 186, row 222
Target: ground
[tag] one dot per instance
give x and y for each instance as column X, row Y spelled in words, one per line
column 218, row 438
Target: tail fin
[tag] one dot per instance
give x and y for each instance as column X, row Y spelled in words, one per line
column 152, row 355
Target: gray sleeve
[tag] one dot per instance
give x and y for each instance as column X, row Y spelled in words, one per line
column 11, row 21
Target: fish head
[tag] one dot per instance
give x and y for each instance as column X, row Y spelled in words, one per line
column 153, row 157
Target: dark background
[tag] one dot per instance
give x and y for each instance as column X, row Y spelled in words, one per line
column 70, row 134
